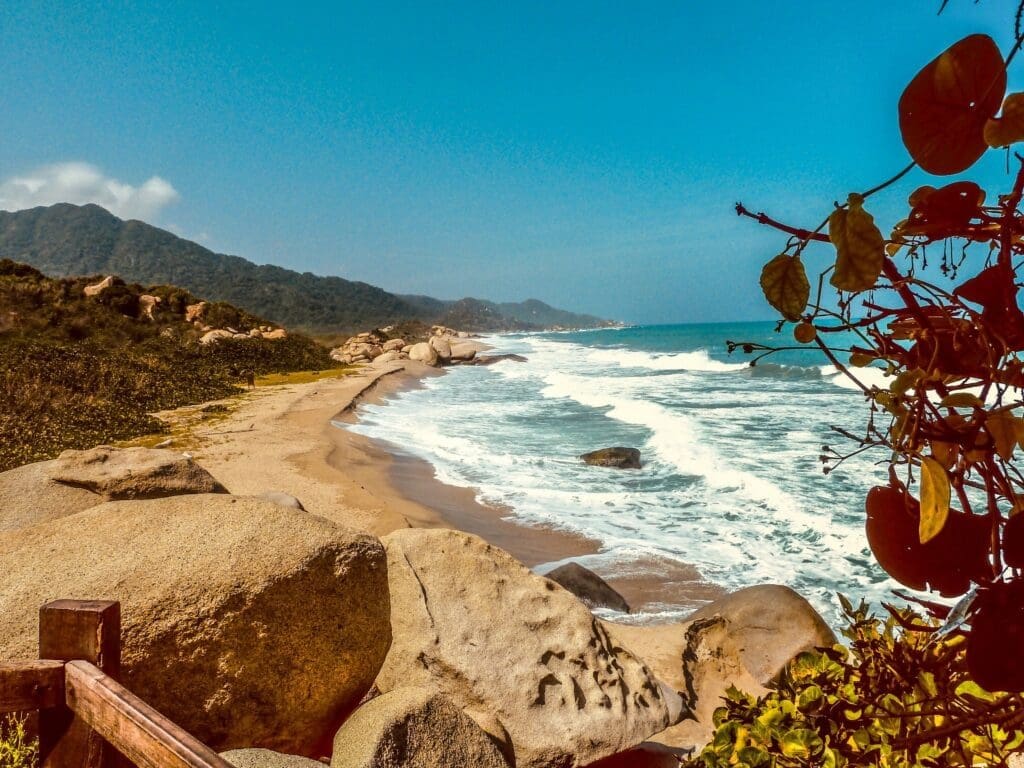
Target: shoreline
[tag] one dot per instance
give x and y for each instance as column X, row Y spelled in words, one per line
column 293, row 438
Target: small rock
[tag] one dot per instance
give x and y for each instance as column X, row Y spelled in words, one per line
column 413, row 728
column 212, row 337
column 279, row 333
column 265, row 758
column 588, row 587
column 97, row 288
column 618, row 457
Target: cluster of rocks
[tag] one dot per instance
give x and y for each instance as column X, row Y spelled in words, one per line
column 194, row 314
column 444, row 346
column 276, row 636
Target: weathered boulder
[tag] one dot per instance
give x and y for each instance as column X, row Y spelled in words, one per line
column 195, row 311
column 132, row 473
column 255, row 333
column 387, row 357
column 277, row 333
column 423, row 353
column 413, row 728
column 647, row 755
column 743, row 639
column 463, row 352
column 393, row 345
column 147, row 304
column 492, row 359
column 97, row 288
column 443, row 348
column 588, row 587
column 618, row 457
column 265, row 758
column 472, row 622
column 217, row 334
column 247, row 623
column 47, row 490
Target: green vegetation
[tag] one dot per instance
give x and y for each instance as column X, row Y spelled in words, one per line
column 17, row 749
column 78, row 371
column 70, row 240
column 899, row 696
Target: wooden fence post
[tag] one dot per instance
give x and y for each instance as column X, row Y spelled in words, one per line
column 89, row 630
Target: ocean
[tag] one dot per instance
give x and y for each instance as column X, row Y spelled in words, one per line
column 731, row 481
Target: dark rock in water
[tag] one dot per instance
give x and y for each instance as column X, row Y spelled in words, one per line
column 619, row 457
column 588, row 587
column 492, row 359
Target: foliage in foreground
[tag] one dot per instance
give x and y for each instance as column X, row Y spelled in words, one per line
column 17, row 749
column 899, row 696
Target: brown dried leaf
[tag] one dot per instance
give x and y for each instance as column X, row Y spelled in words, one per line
column 859, row 244
column 785, row 285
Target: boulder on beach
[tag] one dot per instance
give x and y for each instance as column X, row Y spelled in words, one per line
column 266, row 758
column 388, row 357
column 423, row 353
column 283, row 499
column 247, row 623
column 744, row 639
column 617, row 457
column 588, row 587
column 413, row 728
column 443, row 348
column 463, row 352
column 470, row 621
column 393, row 345
column 492, row 359
column 78, row 480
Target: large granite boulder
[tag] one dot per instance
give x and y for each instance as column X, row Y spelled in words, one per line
column 246, row 622
column 588, row 587
column 743, row 639
column 472, row 622
column 266, row 758
column 617, row 457
column 423, row 353
column 77, row 480
column 443, row 347
column 393, row 345
column 413, row 728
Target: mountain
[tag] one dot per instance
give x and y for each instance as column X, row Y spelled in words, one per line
column 67, row 240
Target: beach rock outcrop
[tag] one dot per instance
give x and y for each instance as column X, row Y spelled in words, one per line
column 266, row 758
column 744, row 639
column 492, row 359
column 132, row 473
column 463, row 352
column 617, row 457
column 424, row 353
column 442, row 347
column 78, row 480
column 388, row 357
column 470, row 621
column 588, row 587
column 245, row 622
column 393, row 345
column 413, row 728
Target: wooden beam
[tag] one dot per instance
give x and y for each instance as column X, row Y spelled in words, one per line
column 77, row 629
column 28, row 685
column 138, row 731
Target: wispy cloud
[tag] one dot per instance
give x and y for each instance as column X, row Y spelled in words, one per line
column 82, row 183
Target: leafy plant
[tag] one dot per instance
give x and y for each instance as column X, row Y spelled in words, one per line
column 900, row 696
column 951, row 420
column 17, row 748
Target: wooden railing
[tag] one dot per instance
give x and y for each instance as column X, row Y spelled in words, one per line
column 84, row 713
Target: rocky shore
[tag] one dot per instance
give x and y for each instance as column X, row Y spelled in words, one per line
column 286, row 603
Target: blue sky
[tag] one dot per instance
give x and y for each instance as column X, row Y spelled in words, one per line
column 587, row 154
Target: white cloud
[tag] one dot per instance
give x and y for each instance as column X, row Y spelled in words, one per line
column 82, row 183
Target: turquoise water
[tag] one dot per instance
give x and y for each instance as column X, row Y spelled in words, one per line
column 731, row 481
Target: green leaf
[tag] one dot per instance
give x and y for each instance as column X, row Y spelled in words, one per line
column 972, row 689
column 800, row 742
column 860, row 247
column 785, row 285
column 934, row 499
column 961, row 400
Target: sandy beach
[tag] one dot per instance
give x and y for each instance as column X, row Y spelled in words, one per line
column 291, row 438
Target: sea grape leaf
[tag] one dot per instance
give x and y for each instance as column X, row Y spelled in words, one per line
column 860, row 247
column 785, row 285
column 945, row 212
column 944, row 109
column 1002, row 427
column 961, row 400
column 934, row 499
column 1008, row 128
